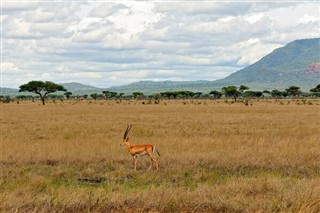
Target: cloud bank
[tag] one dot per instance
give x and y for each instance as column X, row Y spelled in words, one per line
column 113, row 43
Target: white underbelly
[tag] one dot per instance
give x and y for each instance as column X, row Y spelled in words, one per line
column 140, row 154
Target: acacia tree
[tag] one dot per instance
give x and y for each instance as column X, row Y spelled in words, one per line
column 293, row 91
column 197, row 95
column 106, row 93
column 109, row 94
column 216, row 94
column 138, row 95
column 276, row 93
column 169, row 94
column 315, row 91
column 186, row 94
column 94, row 96
column 68, row 94
column 120, row 96
column 231, row 91
column 242, row 88
column 266, row 93
column 41, row 88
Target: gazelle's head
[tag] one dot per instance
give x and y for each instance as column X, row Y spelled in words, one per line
column 126, row 139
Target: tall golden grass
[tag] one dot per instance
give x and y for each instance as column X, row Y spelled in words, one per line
column 215, row 156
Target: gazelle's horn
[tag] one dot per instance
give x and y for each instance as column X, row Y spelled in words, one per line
column 130, row 126
column 125, row 133
column 125, row 136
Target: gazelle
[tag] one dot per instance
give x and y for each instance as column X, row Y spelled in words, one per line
column 139, row 150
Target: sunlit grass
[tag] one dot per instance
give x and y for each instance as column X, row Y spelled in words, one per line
column 215, row 156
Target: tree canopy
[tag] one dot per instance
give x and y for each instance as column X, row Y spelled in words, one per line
column 216, row 94
column 231, row 91
column 41, row 88
column 315, row 89
column 293, row 90
column 243, row 88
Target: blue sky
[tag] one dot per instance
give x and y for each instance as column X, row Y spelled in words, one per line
column 106, row 43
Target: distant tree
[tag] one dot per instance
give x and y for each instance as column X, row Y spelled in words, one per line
column 106, row 93
column 41, row 88
column 252, row 94
column 169, row 94
column 157, row 98
column 315, row 91
column 100, row 96
column 68, row 94
column 216, row 94
column 5, row 99
column 21, row 97
column 55, row 96
column 120, row 96
column 205, row 96
column 109, row 94
column 85, row 96
column 113, row 94
column 293, row 91
column 94, row 96
column 243, row 88
column 276, row 93
column 266, row 93
column 231, row 91
column 279, row 94
column 184, row 94
column 138, row 95
column 197, row 95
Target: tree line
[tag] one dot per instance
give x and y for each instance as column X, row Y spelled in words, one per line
column 45, row 89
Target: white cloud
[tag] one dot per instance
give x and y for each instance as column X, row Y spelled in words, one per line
column 306, row 19
column 112, row 43
column 19, row 6
column 9, row 68
column 254, row 18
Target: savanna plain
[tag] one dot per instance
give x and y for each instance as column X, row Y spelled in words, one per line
column 216, row 156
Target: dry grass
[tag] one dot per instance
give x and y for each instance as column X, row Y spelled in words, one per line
column 215, row 156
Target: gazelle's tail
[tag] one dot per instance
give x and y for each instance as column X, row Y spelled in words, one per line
column 155, row 150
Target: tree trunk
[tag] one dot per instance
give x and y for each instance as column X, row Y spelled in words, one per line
column 42, row 99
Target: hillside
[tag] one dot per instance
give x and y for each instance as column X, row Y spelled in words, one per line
column 294, row 64
column 8, row 91
column 79, row 89
column 148, row 87
column 297, row 63
column 74, row 86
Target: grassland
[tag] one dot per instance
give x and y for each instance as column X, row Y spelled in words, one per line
column 215, row 156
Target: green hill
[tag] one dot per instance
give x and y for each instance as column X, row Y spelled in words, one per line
column 8, row 91
column 79, row 89
column 297, row 63
column 283, row 67
column 149, row 87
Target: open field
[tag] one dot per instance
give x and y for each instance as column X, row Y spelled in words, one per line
column 215, row 156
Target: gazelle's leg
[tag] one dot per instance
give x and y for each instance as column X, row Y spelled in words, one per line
column 151, row 163
column 133, row 160
column 155, row 161
column 134, row 163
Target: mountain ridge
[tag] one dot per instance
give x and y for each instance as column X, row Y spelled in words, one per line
column 283, row 67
